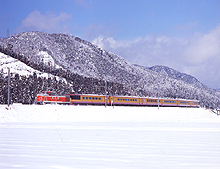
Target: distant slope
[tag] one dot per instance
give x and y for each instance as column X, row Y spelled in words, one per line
column 166, row 71
column 174, row 74
column 74, row 55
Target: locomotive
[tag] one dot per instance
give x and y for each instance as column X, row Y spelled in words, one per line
column 51, row 97
column 93, row 99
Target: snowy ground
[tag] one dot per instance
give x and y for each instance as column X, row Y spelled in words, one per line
column 65, row 137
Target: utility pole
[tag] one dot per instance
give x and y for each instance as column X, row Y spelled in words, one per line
column 8, row 87
column 158, row 101
column 105, row 93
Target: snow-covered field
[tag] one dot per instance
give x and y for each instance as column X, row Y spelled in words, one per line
column 65, row 137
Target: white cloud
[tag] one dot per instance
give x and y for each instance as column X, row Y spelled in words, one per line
column 198, row 55
column 49, row 22
column 204, row 47
column 99, row 41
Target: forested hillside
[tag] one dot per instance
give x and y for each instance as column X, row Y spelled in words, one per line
column 77, row 65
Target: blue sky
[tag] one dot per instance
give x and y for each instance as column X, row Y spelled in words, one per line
column 182, row 34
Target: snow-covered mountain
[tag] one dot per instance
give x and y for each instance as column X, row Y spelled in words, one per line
column 77, row 56
column 174, row 74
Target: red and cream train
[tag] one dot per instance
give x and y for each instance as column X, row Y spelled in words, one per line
column 92, row 99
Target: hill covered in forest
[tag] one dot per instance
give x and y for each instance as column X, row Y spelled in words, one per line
column 83, row 68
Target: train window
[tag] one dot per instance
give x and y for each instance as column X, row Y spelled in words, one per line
column 167, row 101
column 87, row 98
column 83, row 97
column 99, row 98
column 75, row 97
column 90, row 98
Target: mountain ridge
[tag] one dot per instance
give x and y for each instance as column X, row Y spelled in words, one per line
column 167, row 71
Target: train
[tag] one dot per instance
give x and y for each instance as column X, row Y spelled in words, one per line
column 51, row 97
column 93, row 99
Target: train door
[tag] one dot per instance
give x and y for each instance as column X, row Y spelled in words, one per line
column 141, row 101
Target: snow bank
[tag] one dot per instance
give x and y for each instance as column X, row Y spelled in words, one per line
column 97, row 137
column 62, row 113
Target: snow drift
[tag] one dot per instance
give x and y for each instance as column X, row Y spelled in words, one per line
column 91, row 137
